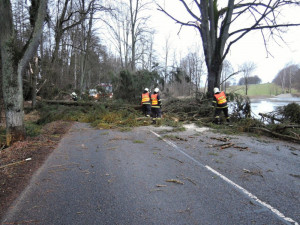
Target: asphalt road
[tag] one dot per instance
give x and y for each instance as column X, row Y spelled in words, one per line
column 151, row 176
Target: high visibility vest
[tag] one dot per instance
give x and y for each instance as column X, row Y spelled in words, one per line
column 154, row 100
column 145, row 98
column 221, row 98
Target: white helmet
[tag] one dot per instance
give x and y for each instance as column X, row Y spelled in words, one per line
column 216, row 90
column 156, row 90
column 73, row 93
column 146, row 89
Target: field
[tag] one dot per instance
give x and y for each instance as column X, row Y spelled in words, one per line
column 268, row 89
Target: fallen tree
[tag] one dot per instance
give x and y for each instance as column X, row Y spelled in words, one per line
column 278, row 135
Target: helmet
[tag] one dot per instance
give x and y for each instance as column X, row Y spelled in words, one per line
column 156, row 90
column 73, row 93
column 146, row 89
column 216, row 90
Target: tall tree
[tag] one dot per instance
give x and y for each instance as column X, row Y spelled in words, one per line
column 221, row 27
column 14, row 63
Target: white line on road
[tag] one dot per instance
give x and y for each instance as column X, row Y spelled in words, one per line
column 236, row 186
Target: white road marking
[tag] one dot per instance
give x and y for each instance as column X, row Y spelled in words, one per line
column 236, row 186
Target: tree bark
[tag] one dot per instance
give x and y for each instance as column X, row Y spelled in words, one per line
column 34, row 81
column 13, row 66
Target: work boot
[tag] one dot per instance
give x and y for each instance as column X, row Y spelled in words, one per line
column 217, row 121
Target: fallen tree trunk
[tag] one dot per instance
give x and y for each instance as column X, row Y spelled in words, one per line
column 281, row 136
column 75, row 103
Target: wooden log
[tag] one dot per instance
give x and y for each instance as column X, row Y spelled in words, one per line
column 75, row 103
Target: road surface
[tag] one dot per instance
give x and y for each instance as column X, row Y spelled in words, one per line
column 150, row 175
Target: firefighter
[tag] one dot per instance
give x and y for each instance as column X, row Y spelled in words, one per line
column 74, row 96
column 220, row 104
column 146, row 102
column 156, row 105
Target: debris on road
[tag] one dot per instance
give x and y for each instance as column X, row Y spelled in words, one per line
column 227, row 144
column 224, row 139
column 175, row 138
column 295, row 175
column 255, row 172
column 190, row 180
column 161, row 185
column 175, row 181
column 241, row 148
column 175, row 159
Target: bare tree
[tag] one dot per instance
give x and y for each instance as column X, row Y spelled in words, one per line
column 13, row 67
column 220, row 26
column 167, row 48
column 192, row 64
column 286, row 78
column 227, row 73
column 247, row 69
column 128, row 26
column 138, row 26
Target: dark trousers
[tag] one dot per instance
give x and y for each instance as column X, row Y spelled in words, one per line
column 218, row 113
column 146, row 109
column 156, row 112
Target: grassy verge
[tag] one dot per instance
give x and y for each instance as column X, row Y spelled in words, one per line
column 268, row 89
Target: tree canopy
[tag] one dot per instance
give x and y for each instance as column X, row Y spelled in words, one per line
column 221, row 25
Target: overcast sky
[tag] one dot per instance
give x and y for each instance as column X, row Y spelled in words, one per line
column 249, row 48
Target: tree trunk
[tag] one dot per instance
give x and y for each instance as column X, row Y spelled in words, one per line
column 13, row 68
column 86, row 44
column 12, row 83
column 214, row 75
column 34, row 80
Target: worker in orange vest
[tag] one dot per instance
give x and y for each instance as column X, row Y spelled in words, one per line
column 156, row 105
column 220, row 104
column 146, row 102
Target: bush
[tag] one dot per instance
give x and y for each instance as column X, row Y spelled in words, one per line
column 290, row 112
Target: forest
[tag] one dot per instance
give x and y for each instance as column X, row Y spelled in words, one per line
column 50, row 49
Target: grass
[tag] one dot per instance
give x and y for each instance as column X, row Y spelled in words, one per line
column 32, row 129
column 268, row 89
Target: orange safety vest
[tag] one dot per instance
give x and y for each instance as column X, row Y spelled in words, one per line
column 221, row 98
column 146, row 98
column 154, row 99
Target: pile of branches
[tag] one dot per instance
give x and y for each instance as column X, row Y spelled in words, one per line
column 191, row 109
column 283, row 123
column 188, row 109
column 240, row 106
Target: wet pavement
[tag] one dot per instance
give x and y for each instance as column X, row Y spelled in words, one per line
column 151, row 175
